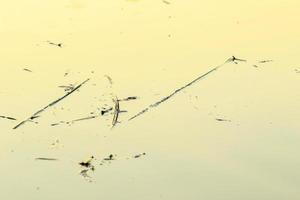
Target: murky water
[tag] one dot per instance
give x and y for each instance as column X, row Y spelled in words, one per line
column 232, row 135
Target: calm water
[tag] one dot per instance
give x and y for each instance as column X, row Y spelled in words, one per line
column 149, row 49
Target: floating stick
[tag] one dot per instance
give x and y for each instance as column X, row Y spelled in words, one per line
column 36, row 114
column 232, row 59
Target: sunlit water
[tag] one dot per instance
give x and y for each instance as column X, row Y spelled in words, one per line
column 149, row 49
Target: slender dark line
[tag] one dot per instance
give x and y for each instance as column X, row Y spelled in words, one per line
column 116, row 112
column 85, row 118
column 51, row 104
column 179, row 90
column 6, row 117
column 75, row 120
column 47, row 159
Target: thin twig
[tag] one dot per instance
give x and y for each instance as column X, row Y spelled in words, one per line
column 75, row 120
column 47, row 159
column 6, row 117
column 116, row 111
column 129, row 98
column 35, row 115
column 85, row 118
column 232, row 59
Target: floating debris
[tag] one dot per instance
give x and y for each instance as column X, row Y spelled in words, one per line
column 55, row 124
column 88, row 167
column 222, row 120
column 103, row 112
column 84, row 173
column 129, row 98
column 82, row 119
column 9, row 118
column 58, row 123
column 116, row 111
column 55, row 44
column 27, row 70
column 66, row 73
column 75, row 120
column 123, row 111
column 265, row 61
column 36, row 114
column 47, row 159
column 255, row 66
column 232, row 59
column 139, row 155
column 87, row 163
column 109, row 79
column 34, row 117
column 109, row 158
column 297, row 70
column 67, row 88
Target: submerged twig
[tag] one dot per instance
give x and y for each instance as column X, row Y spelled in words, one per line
column 232, row 59
column 36, row 114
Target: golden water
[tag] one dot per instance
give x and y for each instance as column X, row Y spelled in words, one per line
column 149, row 49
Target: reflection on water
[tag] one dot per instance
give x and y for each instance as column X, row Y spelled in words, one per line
column 232, row 134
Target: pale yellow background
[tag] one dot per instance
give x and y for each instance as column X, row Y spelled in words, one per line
column 149, row 48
